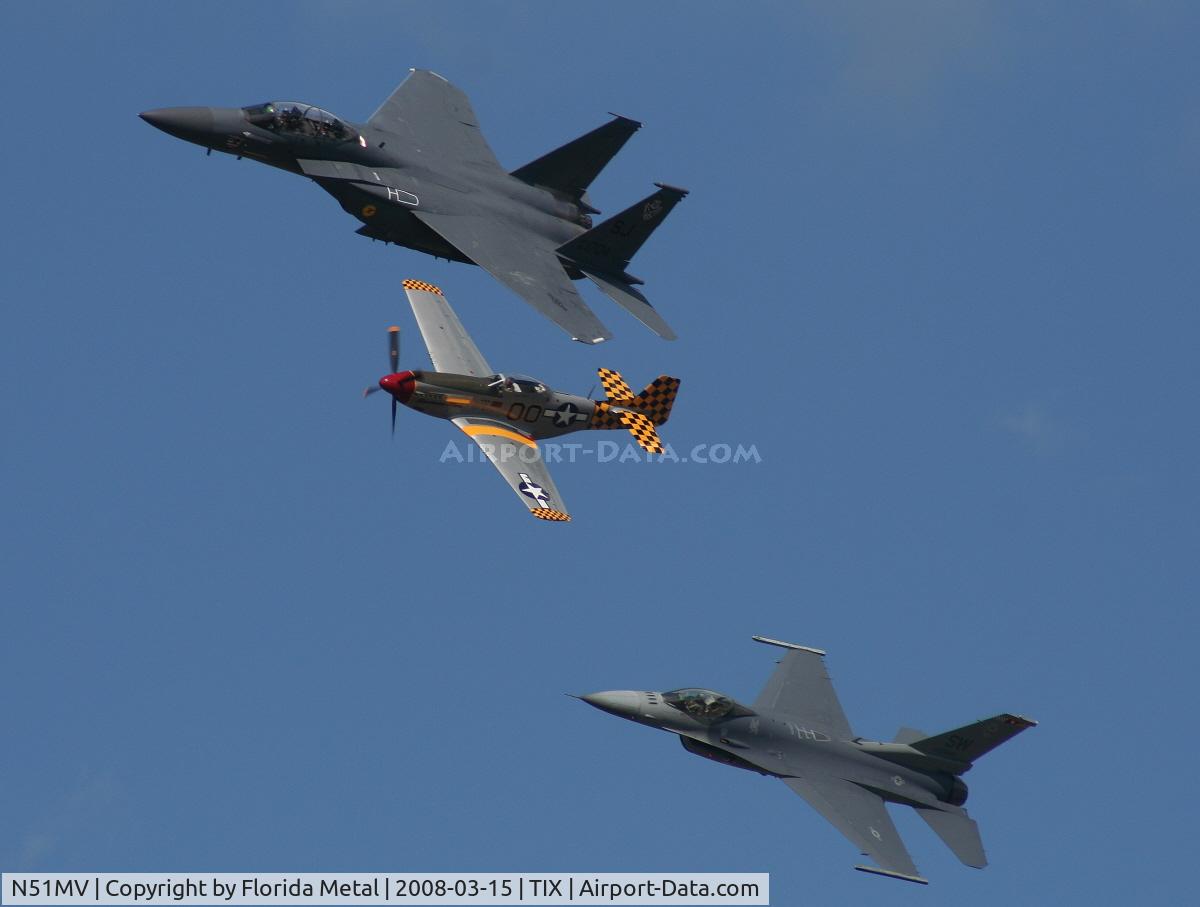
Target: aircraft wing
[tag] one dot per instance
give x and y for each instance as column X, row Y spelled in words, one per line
column 520, row 462
column 524, row 263
column 801, row 689
column 435, row 119
column 450, row 346
column 863, row 818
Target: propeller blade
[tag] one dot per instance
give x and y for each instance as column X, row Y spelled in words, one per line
column 367, row 391
column 393, row 349
column 393, row 417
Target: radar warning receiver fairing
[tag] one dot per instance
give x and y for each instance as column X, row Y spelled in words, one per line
column 506, row 415
column 796, row 731
column 420, row 174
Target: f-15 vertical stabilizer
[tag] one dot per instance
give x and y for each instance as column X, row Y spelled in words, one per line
column 607, row 249
column 569, row 170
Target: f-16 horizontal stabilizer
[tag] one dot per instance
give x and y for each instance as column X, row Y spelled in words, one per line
column 569, row 170
column 968, row 743
column 892, row 875
column 633, row 302
column 959, row 832
column 607, row 249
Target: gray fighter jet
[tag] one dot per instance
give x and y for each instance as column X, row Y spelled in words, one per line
column 506, row 415
column 796, row 731
column 420, row 174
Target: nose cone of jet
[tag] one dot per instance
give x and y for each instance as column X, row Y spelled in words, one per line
column 623, row 703
column 192, row 124
column 400, row 385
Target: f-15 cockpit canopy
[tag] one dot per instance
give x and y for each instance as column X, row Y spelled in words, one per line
column 294, row 118
column 703, row 705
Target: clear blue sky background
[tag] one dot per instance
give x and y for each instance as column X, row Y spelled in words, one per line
column 939, row 265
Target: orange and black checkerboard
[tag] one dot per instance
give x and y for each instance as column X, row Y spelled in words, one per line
column 422, row 285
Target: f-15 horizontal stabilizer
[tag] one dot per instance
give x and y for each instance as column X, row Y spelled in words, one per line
column 607, row 249
column 633, row 302
column 968, row 743
column 569, row 170
column 959, row 832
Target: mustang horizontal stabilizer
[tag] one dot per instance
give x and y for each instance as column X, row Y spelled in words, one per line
column 521, row 263
column 607, row 249
column 519, row 460
column 968, row 743
column 863, row 818
column 628, row 297
column 569, row 170
column 638, row 413
column 451, row 348
column 959, row 832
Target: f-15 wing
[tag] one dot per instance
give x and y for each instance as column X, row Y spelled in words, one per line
column 801, row 689
column 862, row 817
column 522, row 262
column 520, row 462
column 450, row 346
column 436, row 121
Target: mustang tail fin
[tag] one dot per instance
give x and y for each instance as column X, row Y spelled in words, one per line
column 959, row 832
column 968, row 743
column 607, row 248
column 639, row 413
column 569, row 170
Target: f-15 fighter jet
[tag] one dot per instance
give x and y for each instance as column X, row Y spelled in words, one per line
column 506, row 415
column 796, row 731
column 420, row 174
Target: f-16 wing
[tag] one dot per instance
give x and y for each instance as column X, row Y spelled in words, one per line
column 523, row 262
column 435, row 120
column 450, row 346
column 862, row 817
column 801, row 689
column 520, row 462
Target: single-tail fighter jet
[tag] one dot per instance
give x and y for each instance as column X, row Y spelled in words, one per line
column 796, row 731
column 506, row 415
column 420, row 174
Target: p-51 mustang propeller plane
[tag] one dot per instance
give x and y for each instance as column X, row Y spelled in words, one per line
column 506, row 415
column 420, row 174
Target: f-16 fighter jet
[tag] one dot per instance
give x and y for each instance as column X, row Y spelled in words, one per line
column 506, row 415
column 420, row 174
column 796, row 731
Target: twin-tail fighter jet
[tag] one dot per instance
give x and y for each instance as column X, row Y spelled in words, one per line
column 420, row 174
column 796, row 731
column 506, row 415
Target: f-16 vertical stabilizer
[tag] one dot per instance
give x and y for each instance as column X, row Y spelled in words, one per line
column 968, row 743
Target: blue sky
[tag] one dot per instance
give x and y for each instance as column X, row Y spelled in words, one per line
column 938, row 266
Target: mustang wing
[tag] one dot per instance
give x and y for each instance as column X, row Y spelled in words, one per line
column 436, row 121
column 520, row 462
column 801, row 689
column 523, row 262
column 450, row 346
column 862, row 817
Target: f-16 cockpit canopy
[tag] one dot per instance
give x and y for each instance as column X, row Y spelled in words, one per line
column 703, row 705
column 294, row 118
